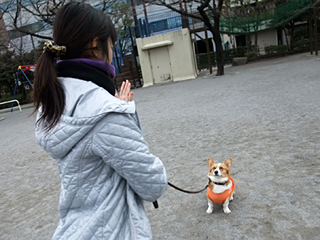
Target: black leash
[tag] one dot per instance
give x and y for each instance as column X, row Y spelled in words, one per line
column 155, row 203
column 185, row 191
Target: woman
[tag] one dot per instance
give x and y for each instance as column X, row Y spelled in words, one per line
column 105, row 165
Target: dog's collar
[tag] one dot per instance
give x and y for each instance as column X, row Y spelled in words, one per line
column 218, row 183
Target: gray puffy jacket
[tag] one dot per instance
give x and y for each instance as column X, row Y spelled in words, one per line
column 105, row 166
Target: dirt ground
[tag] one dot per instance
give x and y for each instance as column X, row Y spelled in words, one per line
column 264, row 115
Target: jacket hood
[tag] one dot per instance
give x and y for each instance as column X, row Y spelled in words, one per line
column 86, row 104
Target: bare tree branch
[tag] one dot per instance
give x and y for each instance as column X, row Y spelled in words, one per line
column 43, row 11
column 108, row 4
column 172, row 6
column 4, row 7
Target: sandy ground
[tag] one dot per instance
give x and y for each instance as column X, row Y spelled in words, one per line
column 264, row 115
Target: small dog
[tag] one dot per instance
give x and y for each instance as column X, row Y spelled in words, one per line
column 221, row 185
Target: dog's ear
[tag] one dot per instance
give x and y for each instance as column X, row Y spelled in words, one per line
column 210, row 163
column 228, row 162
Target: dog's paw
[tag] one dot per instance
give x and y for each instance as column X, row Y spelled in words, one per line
column 226, row 211
column 209, row 210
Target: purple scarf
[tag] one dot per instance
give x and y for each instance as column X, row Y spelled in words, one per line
column 104, row 66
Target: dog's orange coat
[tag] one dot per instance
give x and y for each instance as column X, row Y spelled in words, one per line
column 220, row 198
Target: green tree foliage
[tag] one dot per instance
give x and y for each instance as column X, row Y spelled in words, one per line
column 8, row 70
column 121, row 15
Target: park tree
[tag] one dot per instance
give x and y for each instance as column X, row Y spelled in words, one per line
column 207, row 11
column 21, row 14
column 122, row 18
column 121, row 15
column 45, row 11
column 9, row 63
column 8, row 70
column 289, row 27
column 289, row 30
column 40, row 17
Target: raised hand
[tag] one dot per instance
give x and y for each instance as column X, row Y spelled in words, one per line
column 125, row 92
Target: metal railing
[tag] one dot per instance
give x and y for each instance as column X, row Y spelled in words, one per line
column 12, row 101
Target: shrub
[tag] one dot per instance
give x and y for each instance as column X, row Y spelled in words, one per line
column 229, row 54
column 301, row 43
column 273, row 49
column 250, row 55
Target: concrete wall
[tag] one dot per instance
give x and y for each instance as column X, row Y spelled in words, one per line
column 167, row 57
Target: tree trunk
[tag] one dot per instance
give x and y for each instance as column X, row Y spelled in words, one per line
column 292, row 34
column 248, row 42
column 208, row 52
column 288, row 41
column 256, row 42
column 315, row 29
column 219, row 48
column 310, row 20
column 214, row 29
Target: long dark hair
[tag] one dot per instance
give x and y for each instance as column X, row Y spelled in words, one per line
column 75, row 26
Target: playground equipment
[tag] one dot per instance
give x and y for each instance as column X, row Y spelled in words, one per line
column 22, row 68
column 12, row 101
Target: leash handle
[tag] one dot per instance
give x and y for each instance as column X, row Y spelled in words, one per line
column 185, row 191
column 155, row 204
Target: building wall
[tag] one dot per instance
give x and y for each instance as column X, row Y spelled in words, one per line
column 266, row 38
column 167, row 57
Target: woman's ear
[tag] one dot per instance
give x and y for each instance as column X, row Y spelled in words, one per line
column 93, row 46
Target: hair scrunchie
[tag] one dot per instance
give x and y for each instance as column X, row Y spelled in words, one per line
column 51, row 47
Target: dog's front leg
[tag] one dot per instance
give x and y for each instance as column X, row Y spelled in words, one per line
column 225, row 206
column 210, row 206
column 231, row 196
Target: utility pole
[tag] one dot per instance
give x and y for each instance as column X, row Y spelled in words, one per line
column 184, row 19
column 136, row 24
column 137, row 31
column 315, row 27
column 146, row 16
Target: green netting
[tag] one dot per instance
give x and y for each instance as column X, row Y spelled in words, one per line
column 269, row 19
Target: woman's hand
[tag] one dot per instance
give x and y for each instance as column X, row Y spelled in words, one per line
column 125, row 92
